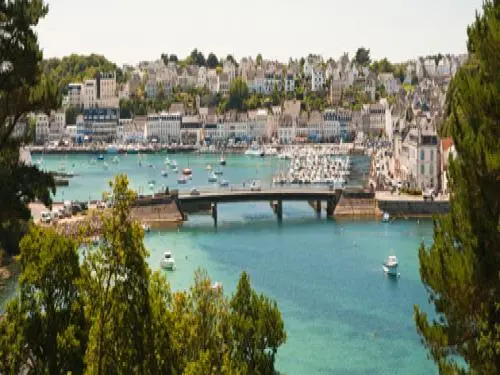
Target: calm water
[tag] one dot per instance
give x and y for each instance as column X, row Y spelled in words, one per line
column 342, row 315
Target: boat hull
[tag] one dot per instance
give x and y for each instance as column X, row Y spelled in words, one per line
column 390, row 270
column 167, row 265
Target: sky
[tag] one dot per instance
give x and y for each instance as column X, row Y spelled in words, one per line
column 129, row 31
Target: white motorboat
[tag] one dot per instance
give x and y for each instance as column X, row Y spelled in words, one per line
column 212, row 177
column 254, row 151
column 217, row 286
column 390, row 266
column 222, row 161
column 386, row 217
column 168, row 261
column 175, row 170
column 218, row 172
column 146, row 228
column 173, row 164
column 164, row 173
column 182, row 180
column 224, row 183
column 208, row 167
column 167, row 161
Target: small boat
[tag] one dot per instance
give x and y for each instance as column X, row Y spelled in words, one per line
column 151, row 184
column 175, row 170
column 112, row 149
column 212, row 177
column 100, row 157
column 168, row 262
column 187, row 171
column 208, row 167
column 386, row 217
column 254, row 151
column 116, row 160
column 390, row 266
column 92, row 161
column 173, row 164
column 164, row 173
column 218, row 172
column 167, row 161
column 182, row 180
column 146, row 228
column 222, row 161
column 224, row 183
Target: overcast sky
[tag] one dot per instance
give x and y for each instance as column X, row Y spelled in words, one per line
column 128, row 31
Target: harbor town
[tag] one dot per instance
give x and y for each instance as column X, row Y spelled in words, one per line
column 219, row 188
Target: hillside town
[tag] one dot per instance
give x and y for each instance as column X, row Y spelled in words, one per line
column 405, row 111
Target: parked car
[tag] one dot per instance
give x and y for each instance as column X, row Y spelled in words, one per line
column 46, row 217
column 428, row 195
column 256, row 185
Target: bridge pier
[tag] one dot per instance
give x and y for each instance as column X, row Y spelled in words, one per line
column 318, row 207
column 279, row 210
column 213, row 208
column 330, row 207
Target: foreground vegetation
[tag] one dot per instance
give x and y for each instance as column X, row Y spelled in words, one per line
column 110, row 313
column 461, row 270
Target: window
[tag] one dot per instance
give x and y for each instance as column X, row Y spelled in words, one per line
column 431, row 168
column 422, row 155
column 422, row 169
column 432, row 155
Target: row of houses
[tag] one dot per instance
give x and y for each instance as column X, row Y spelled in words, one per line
column 100, row 91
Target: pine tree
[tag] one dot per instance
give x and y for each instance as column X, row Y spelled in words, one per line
column 461, row 270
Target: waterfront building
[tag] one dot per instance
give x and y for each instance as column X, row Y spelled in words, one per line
column 100, row 124
column 164, row 127
column 56, row 125
column 190, row 130
column 337, row 124
column 257, row 123
column 41, row 128
column 447, row 150
column 417, row 154
column 289, row 121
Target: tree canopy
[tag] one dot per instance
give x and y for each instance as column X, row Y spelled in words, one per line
column 238, row 93
column 110, row 313
column 23, row 89
column 212, row 61
column 362, row 57
column 462, row 267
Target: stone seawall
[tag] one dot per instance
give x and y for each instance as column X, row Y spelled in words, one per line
column 414, row 207
column 357, row 203
column 158, row 215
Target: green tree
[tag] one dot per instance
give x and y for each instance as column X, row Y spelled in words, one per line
column 238, row 93
column 116, row 293
column 43, row 330
column 462, row 267
column 212, row 61
column 231, row 58
column 71, row 114
column 23, row 89
column 257, row 327
column 362, row 57
column 258, row 60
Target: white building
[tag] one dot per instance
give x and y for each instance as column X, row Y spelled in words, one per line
column 230, row 69
column 90, row 93
column 41, row 128
column 100, row 124
column 56, row 126
column 165, row 127
column 75, row 97
column 317, row 79
column 257, row 122
column 290, row 82
column 202, row 77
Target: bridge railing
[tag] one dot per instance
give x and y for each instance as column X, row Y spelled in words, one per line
column 248, row 187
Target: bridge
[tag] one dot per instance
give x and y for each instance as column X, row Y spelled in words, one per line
column 208, row 199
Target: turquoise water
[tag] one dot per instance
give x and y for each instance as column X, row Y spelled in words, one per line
column 342, row 315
